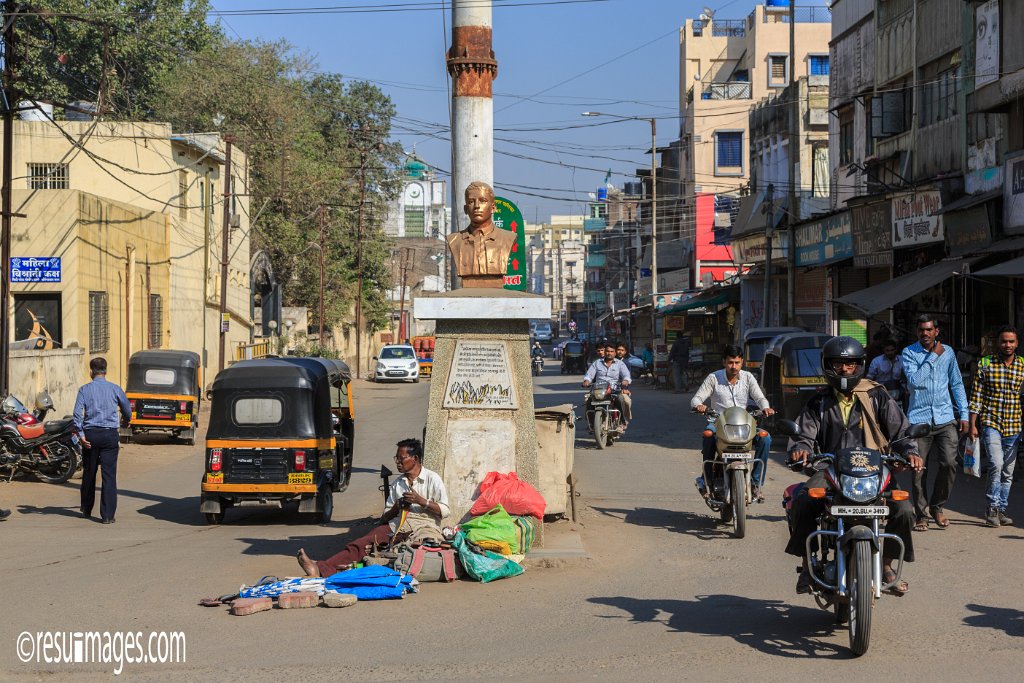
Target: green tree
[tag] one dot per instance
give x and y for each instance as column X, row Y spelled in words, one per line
column 109, row 51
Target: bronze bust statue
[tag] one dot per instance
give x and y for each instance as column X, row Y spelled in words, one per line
column 481, row 251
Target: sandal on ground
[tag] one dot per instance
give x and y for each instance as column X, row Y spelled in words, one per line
column 940, row 519
column 900, row 589
column 921, row 525
column 804, row 583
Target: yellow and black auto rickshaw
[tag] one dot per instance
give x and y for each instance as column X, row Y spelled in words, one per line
column 572, row 357
column 163, row 390
column 791, row 373
column 281, row 430
column 755, row 341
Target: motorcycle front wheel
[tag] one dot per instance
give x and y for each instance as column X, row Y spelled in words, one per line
column 739, row 505
column 59, row 467
column 861, row 597
column 600, row 426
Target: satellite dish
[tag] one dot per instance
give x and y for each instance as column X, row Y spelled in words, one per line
column 709, row 13
column 703, row 17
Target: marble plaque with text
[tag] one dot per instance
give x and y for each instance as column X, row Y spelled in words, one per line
column 481, row 377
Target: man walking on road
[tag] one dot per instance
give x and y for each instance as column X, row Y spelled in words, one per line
column 679, row 358
column 996, row 417
column 933, row 376
column 96, row 416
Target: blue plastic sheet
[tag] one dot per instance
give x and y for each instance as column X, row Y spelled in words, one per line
column 371, row 583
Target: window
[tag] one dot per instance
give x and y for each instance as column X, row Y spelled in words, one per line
column 266, row 410
column 846, row 137
column 156, row 321
column 99, row 323
column 159, row 377
column 48, row 176
column 414, row 222
column 818, row 65
column 778, row 71
column 183, row 194
column 939, row 97
column 37, row 316
column 729, row 151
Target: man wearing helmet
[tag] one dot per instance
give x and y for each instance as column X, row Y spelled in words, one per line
column 855, row 413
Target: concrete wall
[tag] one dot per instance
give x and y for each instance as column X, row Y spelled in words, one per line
column 58, row 371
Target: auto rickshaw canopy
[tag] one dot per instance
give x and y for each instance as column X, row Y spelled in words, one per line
column 164, row 371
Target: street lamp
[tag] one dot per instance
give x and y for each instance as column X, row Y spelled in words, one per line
column 654, row 201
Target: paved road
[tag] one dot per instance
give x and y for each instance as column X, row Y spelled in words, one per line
column 666, row 594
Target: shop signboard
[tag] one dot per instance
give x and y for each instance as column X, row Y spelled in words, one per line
column 1013, row 197
column 752, row 248
column 986, row 34
column 872, row 234
column 916, row 219
column 35, row 269
column 968, row 231
column 824, row 241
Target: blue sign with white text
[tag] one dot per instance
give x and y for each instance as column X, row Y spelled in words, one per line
column 35, row 269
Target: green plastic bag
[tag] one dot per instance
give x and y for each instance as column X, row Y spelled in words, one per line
column 485, row 566
column 495, row 525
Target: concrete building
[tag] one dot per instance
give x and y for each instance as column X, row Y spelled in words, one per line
column 134, row 213
column 421, row 208
column 557, row 251
column 725, row 67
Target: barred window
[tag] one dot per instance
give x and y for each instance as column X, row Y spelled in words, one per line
column 778, row 71
column 48, row 176
column 99, row 322
column 183, row 194
column 156, row 321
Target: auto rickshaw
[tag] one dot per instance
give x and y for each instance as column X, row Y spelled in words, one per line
column 281, row 430
column 791, row 373
column 755, row 341
column 163, row 391
column 572, row 357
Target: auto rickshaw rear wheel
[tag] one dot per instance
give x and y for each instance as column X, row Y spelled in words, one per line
column 324, row 504
column 214, row 518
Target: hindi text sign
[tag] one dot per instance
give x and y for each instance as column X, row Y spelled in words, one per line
column 480, row 377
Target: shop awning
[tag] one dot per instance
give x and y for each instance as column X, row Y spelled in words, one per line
column 709, row 298
column 1012, row 268
column 970, row 201
column 886, row 295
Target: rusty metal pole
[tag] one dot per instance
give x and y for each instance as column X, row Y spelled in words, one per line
column 359, row 267
column 320, row 338
column 224, row 255
column 473, row 68
column 7, row 205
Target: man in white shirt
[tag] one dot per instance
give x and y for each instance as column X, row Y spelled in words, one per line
column 416, row 504
column 725, row 388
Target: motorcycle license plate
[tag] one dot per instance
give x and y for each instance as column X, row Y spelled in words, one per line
column 737, row 456
column 74, row 439
column 860, row 511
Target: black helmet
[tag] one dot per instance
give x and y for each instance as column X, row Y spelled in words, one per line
column 842, row 348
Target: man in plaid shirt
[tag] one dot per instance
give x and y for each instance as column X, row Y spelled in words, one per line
column 996, row 416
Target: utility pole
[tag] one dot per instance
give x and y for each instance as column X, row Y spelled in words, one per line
column 404, row 270
column 768, row 236
column 654, row 227
column 794, row 159
column 7, row 206
column 224, row 254
column 320, row 338
column 359, row 265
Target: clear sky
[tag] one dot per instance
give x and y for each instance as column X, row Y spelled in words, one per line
column 555, row 61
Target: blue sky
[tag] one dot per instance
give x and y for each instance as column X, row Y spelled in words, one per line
column 554, row 62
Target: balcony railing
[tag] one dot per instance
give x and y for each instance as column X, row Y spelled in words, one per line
column 803, row 15
column 720, row 28
column 734, row 90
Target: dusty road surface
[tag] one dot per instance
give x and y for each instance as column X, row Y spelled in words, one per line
column 665, row 593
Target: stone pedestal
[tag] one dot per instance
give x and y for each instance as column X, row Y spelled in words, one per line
column 481, row 416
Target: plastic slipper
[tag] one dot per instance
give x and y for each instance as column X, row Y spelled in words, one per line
column 921, row 525
column 900, row 589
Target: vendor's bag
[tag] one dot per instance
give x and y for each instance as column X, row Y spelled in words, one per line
column 494, row 529
column 484, row 566
column 507, row 490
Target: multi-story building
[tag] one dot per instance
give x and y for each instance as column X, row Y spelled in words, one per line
column 420, row 210
column 725, row 67
column 129, row 219
column 556, row 251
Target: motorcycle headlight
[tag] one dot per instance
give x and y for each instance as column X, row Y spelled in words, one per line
column 736, row 432
column 859, row 489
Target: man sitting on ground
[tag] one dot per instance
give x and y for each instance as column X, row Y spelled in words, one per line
column 416, row 504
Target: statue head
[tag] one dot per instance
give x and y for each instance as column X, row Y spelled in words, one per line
column 479, row 203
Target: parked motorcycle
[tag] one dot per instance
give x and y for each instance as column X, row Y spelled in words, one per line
column 844, row 553
column 537, row 364
column 603, row 414
column 50, row 451
column 730, row 491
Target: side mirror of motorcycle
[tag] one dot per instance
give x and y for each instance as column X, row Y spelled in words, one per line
column 787, row 428
column 917, row 431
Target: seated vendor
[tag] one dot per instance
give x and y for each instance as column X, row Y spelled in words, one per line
column 416, row 504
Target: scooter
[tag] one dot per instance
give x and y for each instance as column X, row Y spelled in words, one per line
column 730, row 491
column 603, row 414
column 844, row 554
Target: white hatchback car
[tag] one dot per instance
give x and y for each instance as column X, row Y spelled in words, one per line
column 396, row 362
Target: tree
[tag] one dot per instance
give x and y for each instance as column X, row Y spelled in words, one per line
column 109, row 51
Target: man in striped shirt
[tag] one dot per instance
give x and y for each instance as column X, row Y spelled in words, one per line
column 96, row 416
column 996, row 419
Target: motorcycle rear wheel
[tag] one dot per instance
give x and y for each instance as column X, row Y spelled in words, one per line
column 861, row 597
column 739, row 505
column 601, row 429
column 61, row 469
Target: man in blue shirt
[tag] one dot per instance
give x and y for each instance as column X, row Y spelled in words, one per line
column 610, row 369
column 96, row 416
column 932, row 377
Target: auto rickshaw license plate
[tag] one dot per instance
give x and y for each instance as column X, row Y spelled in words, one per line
column 214, row 478
column 326, row 463
column 183, row 417
column 300, row 478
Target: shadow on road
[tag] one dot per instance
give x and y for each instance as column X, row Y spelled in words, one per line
column 1006, row 619
column 52, row 510
column 769, row 626
column 318, row 546
column 703, row 526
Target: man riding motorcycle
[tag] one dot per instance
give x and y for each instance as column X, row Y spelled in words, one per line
column 838, row 419
column 725, row 388
column 537, row 351
column 609, row 368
